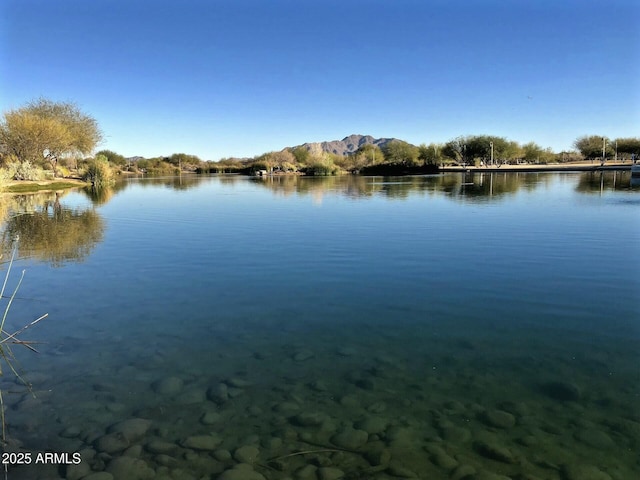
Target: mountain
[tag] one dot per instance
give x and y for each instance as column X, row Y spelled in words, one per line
column 346, row 146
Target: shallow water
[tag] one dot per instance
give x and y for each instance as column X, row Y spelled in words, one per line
column 454, row 326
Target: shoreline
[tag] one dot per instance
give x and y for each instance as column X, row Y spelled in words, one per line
column 557, row 167
column 34, row 186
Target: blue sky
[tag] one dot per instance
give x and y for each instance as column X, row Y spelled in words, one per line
column 243, row 77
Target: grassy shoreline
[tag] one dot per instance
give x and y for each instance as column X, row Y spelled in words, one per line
column 32, row 186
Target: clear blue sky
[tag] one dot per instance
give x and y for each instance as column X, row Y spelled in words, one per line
column 242, row 77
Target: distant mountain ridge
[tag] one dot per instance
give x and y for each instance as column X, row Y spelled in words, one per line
column 346, row 146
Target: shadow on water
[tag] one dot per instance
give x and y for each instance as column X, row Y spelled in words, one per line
column 49, row 231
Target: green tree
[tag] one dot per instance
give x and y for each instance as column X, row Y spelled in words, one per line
column 301, row 155
column 591, row 146
column 400, row 152
column 184, row 161
column 430, row 154
column 486, row 148
column 48, row 130
column 628, row 147
column 321, row 164
column 534, row 153
column 113, row 158
column 368, row 154
column 456, row 150
column 283, row 160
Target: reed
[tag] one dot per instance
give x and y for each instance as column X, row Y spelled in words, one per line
column 7, row 339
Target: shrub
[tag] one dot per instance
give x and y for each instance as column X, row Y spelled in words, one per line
column 5, row 177
column 24, row 170
column 98, row 172
column 63, row 171
column 322, row 167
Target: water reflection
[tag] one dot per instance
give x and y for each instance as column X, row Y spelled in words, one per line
column 179, row 182
column 48, row 230
column 101, row 195
column 464, row 187
column 598, row 182
column 471, row 186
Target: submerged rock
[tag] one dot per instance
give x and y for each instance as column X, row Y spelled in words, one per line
column 71, row 432
column 76, row 472
column 318, row 386
column 168, row 386
column 191, row 397
column 584, row 472
column 246, row 454
column 562, row 391
column 484, row 475
column 373, row 425
column 99, row 476
column 237, row 382
column 209, row 418
column 463, row 472
column 377, row 407
column 444, row 460
column 377, row 454
column 222, row 455
column 302, row 355
column 242, row 471
column 494, row 451
column 330, row 473
column 161, row 446
column 398, row 470
column 128, row 468
column 218, row 393
column 454, row 434
column 202, row 442
column 350, row 438
column 499, row 419
column 308, row 472
column 112, row 443
column 595, row 438
column 133, row 429
column 309, row 419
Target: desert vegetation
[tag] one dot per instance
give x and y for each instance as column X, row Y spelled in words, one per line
column 398, row 156
column 45, row 140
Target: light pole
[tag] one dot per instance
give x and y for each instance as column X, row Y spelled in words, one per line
column 491, row 145
column 604, row 147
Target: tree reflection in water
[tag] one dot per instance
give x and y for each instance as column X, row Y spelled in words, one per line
column 463, row 187
column 48, row 230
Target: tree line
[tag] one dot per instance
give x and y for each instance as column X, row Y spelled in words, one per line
column 46, row 138
column 464, row 150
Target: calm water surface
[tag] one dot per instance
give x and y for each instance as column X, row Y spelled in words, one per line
column 479, row 327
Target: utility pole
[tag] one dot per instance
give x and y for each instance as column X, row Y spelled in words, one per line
column 604, row 147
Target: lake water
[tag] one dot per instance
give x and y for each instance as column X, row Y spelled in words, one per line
column 442, row 327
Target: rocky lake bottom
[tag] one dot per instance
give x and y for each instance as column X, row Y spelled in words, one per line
column 318, row 403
